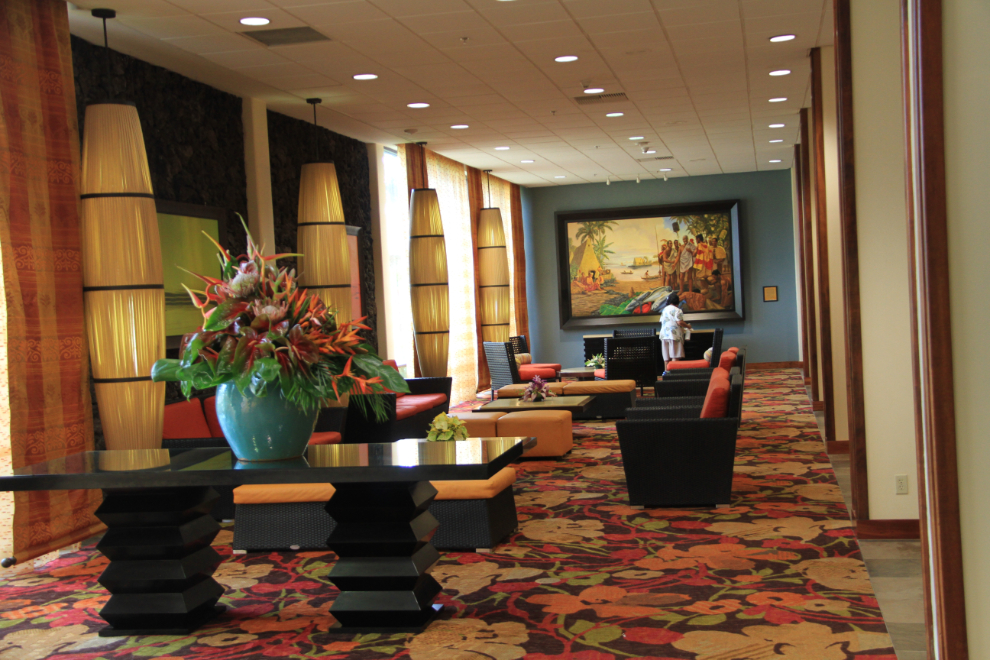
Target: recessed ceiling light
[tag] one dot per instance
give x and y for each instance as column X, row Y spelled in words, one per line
column 774, row 161
column 418, row 105
column 638, row 137
column 615, row 114
column 365, row 76
column 255, row 20
column 776, row 125
column 664, row 169
column 594, row 90
column 565, row 58
column 780, row 72
column 459, row 126
column 772, row 141
column 527, row 161
column 560, row 176
column 782, row 37
column 650, row 151
column 778, row 99
column 501, row 148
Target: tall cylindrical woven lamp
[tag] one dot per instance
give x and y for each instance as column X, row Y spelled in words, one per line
column 493, row 277
column 428, row 280
column 122, row 277
column 325, row 267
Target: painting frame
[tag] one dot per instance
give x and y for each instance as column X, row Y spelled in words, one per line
column 170, row 258
column 563, row 219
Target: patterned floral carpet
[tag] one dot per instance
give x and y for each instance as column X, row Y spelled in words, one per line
column 776, row 574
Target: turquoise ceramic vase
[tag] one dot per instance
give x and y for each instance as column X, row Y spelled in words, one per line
column 263, row 428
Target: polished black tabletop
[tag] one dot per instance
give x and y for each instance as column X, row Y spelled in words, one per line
column 405, row 460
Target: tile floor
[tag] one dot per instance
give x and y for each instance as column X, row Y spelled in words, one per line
column 895, row 572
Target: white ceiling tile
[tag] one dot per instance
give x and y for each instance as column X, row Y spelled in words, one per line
column 401, row 8
column 215, row 43
column 338, row 13
column 531, row 31
column 127, row 9
column 171, row 27
column 597, row 8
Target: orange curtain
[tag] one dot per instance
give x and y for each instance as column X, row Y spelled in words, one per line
column 476, row 201
column 518, row 251
column 45, row 363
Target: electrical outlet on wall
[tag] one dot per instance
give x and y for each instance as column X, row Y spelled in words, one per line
column 901, row 484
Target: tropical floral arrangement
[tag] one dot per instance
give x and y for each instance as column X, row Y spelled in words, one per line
column 596, row 361
column 261, row 330
column 444, row 428
column 536, row 391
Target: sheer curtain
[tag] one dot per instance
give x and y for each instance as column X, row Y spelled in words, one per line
column 448, row 178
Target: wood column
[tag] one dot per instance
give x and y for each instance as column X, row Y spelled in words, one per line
column 824, row 295
column 808, row 260
column 850, row 263
column 931, row 331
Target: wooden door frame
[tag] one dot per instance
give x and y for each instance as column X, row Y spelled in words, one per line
column 931, row 330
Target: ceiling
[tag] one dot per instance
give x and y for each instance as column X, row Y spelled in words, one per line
column 696, row 74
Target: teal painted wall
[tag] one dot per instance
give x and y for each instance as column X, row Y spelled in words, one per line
column 768, row 331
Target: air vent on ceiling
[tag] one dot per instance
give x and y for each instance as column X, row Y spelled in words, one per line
column 286, row 36
column 601, row 98
column 650, row 159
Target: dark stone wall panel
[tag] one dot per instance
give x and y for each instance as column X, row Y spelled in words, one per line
column 292, row 143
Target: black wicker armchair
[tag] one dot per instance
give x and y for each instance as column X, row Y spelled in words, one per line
column 631, row 358
column 693, row 374
column 501, row 364
column 673, row 458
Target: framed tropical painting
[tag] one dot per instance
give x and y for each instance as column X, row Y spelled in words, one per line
column 619, row 266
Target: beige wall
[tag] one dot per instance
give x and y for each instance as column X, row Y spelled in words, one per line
column 967, row 155
column 257, row 164
column 881, row 213
column 835, row 278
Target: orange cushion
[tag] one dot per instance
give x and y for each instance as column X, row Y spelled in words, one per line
column 600, row 373
column 598, row 387
column 523, row 358
column 717, row 398
column 688, row 364
column 479, row 489
column 552, row 429
column 732, row 349
column 546, row 365
column 210, row 408
column 412, row 404
column 325, row 438
column 476, row 489
column 185, row 420
column 515, row 391
column 480, row 424
column 726, row 360
column 529, row 371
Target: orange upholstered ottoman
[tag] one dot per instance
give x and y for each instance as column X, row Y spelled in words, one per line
column 516, row 391
column 551, row 428
column 480, row 425
column 472, row 514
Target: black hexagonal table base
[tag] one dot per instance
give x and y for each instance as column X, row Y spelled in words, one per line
column 161, row 563
column 382, row 544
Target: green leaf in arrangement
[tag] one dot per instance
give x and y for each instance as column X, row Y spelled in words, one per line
column 372, row 365
column 165, row 370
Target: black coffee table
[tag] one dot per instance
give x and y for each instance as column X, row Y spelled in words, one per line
column 157, row 502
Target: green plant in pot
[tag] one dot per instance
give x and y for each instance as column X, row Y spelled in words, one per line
column 276, row 356
column 445, row 428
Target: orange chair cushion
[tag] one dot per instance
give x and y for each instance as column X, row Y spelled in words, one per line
column 523, row 358
column 600, row 373
column 717, row 398
column 325, row 438
column 598, row 387
column 480, row 425
column 412, row 404
column 185, row 419
column 479, row 489
column 688, row 364
column 552, row 429
column 732, row 349
column 394, row 365
column 476, row 489
column 546, row 365
column 210, row 408
column 529, row 371
column 515, row 391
